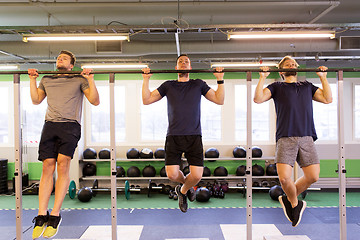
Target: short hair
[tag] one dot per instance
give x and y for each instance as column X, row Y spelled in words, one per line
column 73, row 59
column 181, row 55
column 281, row 63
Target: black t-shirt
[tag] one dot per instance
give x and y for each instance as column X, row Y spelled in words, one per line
column 184, row 100
column 294, row 109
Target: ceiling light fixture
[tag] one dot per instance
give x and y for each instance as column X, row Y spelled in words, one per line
column 9, row 67
column 75, row 37
column 114, row 66
column 243, row 64
column 284, row 34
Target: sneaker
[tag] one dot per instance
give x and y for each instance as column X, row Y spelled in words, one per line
column 297, row 212
column 52, row 226
column 286, row 205
column 191, row 194
column 182, row 199
column 40, row 225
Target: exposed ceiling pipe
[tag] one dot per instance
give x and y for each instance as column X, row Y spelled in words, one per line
column 331, row 7
column 166, row 3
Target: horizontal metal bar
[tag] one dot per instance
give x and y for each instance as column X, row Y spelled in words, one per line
column 188, row 71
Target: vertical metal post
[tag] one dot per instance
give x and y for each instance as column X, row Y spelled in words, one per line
column 248, row 159
column 113, row 158
column 18, row 157
column 341, row 143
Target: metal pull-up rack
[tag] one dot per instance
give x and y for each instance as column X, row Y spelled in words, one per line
column 341, row 141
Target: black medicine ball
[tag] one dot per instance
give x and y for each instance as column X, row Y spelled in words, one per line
column 89, row 169
column 275, row 192
column 239, row 152
column 132, row 153
column 206, row 172
column 220, row 171
column 120, row 171
column 256, row 152
column 85, row 194
column 159, row 153
column 104, row 153
column 257, row 170
column 163, row 172
column 202, row 194
column 271, row 170
column 89, row 153
column 149, row 171
column 186, row 170
column 212, row 153
column 146, row 153
column 241, row 170
column 133, row 171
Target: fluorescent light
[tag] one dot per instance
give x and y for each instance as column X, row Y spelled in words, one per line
column 75, row 37
column 285, row 34
column 9, row 67
column 114, row 66
column 243, row 64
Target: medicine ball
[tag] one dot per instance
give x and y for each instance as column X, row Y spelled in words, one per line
column 239, row 152
column 149, row 171
column 202, row 194
column 104, row 153
column 120, row 171
column 275, row 192
column 206, row 172
column 146, row 153
column 133, row 171
column 186, row 170
column 257, row 170
column 89, row 153
column 212, row 153
column 220, row 171
column 85, row 194
column 159, row 153
column 241, row 170
column 89, row 169
column 271, row 170
column 132, row 153
column 163, row 172
column 256, row 152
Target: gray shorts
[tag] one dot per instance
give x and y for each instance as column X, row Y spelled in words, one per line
column 301, row 149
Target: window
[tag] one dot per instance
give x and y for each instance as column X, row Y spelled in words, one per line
column 4, row 113
column 154, row 120
column 33, row 117
column 260, row 116
column 100, row 116
column 210, row 119
column 357, row 111
column 325, row 116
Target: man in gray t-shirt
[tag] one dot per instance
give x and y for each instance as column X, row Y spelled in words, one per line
column 60, row 134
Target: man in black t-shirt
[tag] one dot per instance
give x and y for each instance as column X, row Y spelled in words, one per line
column 184, row 130
column 295, row 131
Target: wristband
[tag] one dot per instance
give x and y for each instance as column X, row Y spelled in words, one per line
column 220, row 82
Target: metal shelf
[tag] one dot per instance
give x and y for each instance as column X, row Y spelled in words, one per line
column 165, row 178
column 162, row 159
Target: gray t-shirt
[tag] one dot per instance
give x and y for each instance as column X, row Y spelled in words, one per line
column 64, row 97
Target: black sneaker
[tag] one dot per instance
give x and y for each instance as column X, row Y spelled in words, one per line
column 297, row 213
column 40, row 225
column 191, row 194
column 286, row 205
column 182, row 199
column 52, row 226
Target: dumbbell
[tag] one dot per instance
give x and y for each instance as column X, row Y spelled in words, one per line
column 161, row 187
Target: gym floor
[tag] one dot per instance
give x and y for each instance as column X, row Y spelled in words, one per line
column 158, row 217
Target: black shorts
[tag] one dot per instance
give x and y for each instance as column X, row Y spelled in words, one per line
column 191, row 145
column 59, row 137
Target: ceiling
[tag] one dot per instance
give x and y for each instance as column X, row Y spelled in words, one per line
column 201, row 26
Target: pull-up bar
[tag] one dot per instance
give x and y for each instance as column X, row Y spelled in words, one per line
column 189, row 71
